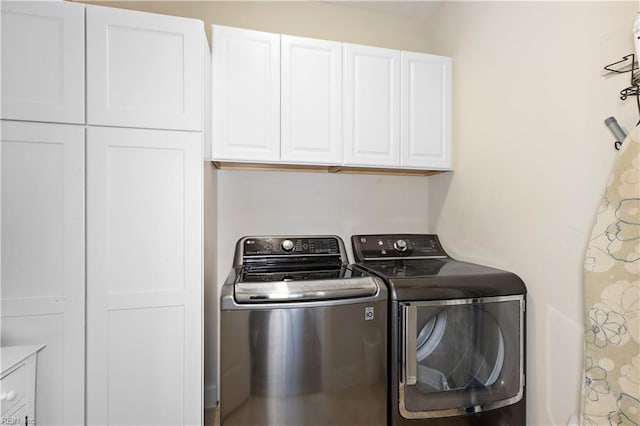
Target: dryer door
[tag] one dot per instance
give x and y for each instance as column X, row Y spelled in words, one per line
column 461, row 356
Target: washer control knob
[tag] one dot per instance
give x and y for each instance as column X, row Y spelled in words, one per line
column 287, row 245
column 400, row 245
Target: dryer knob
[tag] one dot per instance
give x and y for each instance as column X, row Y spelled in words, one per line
column 287, row 245
column 400, row 245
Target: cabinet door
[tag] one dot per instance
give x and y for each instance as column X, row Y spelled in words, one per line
column 144, row 277
column 311, row 101
column 246, row 94
column 371, row 106
column 143, row 70
column 43, row 259
column 43, row 61
column 426, row 111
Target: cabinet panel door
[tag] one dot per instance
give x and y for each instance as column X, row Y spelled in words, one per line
column 43, row 61
column 311, row 101
column 246, row 94
column 143, row 70
column 371, row 106
column 43, row 259
column 144, row 277
column 426, row 111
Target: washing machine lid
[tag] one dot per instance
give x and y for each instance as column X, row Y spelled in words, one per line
column 442, row 279
column 298, row 291
column 291, row 285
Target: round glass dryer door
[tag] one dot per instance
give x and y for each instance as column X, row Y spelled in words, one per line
column 458, row 348
column 460, row 355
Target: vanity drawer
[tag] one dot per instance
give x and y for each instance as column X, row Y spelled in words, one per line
column 14, row 387
column 18, row 384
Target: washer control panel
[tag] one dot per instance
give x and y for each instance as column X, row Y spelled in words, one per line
column 279, row 246
column 388, row 246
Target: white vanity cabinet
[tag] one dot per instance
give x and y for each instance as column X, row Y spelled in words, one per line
column 18, row 384
column 371, row 106
column 43, row 61
column 143, row 70
column 425, row 111
column 245, row 98
column 43, row 243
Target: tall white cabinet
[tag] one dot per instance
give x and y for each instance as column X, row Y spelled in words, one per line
column 110, row 207
column 43, row 198
column 144, row 218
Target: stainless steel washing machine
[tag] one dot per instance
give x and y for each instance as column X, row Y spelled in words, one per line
column 303, row 336
column 456, row 333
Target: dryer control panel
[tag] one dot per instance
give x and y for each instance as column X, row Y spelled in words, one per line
column 390, row 246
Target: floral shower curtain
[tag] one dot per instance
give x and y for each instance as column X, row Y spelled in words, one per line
column 611, row 389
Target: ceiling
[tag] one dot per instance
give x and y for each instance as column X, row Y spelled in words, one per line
column 414, row 9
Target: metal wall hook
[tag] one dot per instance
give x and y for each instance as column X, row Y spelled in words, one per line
column 619, row 69
column 617, row 131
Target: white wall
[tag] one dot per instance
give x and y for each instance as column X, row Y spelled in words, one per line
column 532, row 157
column 273, row 203
column 315, row 19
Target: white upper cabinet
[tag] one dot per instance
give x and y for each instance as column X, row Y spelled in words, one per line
column 143, row 70
column 311, row 101
column 294, row 100
column 43, row 61
column 371, row 106
column 245, row 95
column 425, row 130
